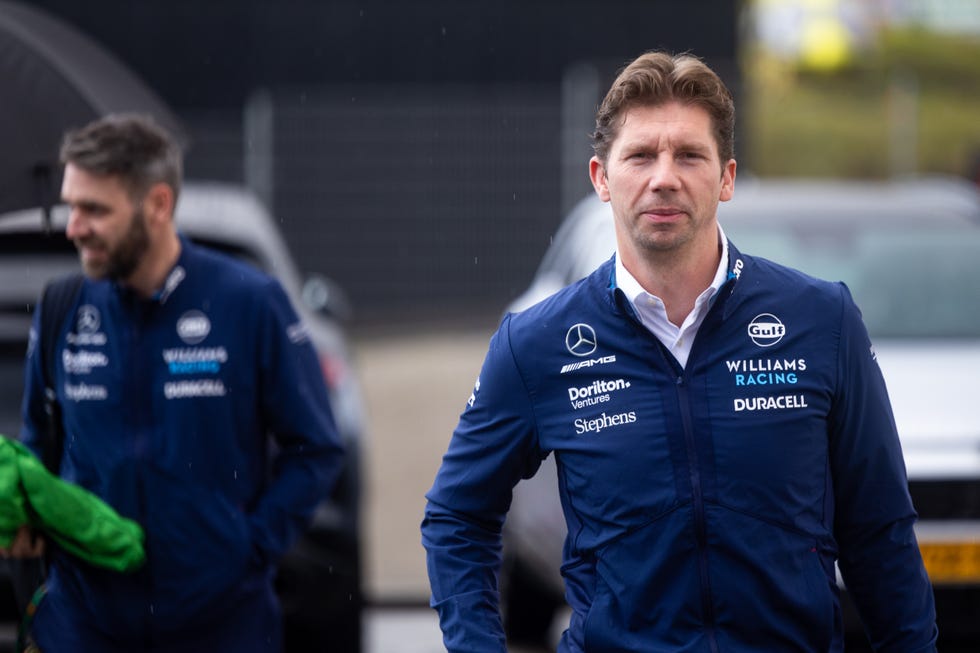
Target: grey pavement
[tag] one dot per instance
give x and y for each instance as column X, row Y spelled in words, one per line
column 416, row 384
column 407, row 631
column 415, row 387
column 402, row 631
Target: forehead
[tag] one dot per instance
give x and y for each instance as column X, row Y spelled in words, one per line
column 79, row 184
column 674, row 121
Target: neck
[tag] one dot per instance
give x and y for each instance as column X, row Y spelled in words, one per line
column 676, row 277
column 160, row 259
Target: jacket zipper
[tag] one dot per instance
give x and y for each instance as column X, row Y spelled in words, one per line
column 694, row 467
column 700, row 523
column 694, row 464
column 136, row 313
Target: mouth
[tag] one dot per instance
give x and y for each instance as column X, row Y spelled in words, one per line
column 664, row 214
column 89, row 250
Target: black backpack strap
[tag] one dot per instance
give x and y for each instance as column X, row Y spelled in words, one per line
column 56, row 301
column 27, row 575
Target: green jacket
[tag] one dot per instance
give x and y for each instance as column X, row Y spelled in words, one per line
column 77, row 520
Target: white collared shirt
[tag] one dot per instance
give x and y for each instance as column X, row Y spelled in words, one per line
column 653, row 313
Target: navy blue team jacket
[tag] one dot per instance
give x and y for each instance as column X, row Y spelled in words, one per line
column 168, row 407
column 705, row 505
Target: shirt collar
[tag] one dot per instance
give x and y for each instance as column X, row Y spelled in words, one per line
column 634, row 291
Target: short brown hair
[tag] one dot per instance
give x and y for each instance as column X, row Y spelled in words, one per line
column 655, row 78
column 131, row 147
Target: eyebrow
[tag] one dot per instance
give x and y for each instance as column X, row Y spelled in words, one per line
column 679, row 144
column 87, row 205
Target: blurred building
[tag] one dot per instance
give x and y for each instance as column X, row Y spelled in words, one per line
column 825, row 35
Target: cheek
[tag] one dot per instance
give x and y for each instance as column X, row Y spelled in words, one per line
column 629, row 182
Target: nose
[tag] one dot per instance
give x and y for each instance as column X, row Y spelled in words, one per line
column 77, row 226
column 663, row 175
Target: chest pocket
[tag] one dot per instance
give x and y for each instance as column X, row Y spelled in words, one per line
column 613, row 451
column 769, row 437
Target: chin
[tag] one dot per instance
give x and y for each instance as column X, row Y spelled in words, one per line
column 95, row 272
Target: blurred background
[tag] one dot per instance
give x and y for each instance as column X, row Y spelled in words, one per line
column 421, row 154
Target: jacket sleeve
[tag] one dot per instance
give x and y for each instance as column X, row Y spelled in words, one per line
column 879, row 557
column 80, row 522
column 492, row 448
column 295, row 408
column 33, row 414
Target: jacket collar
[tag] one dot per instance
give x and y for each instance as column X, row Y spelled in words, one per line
column 726, row 295
column 173, row 280
column 177, row 274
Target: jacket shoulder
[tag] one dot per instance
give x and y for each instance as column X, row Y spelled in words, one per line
column 587, row 294
column 541, row 330
column 764, row 274
column 227, row 272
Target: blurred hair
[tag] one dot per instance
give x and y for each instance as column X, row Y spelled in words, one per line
column 131, row 147
column 655, row 78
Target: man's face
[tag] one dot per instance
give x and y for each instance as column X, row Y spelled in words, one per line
column 108, row 230
column 664, row 179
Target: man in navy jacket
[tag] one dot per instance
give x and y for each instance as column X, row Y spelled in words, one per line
column 720, row 425
column 174, row 367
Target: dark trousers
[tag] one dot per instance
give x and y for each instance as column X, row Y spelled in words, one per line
column 254, row 627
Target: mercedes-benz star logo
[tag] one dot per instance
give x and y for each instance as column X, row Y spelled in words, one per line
column 580, row 340
column 88, row 319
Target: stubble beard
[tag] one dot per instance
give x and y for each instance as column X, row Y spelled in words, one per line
column 661, row 240
column 125, row 258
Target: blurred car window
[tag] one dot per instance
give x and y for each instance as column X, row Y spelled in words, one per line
column 908, row 283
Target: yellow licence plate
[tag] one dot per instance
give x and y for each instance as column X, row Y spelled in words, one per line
column 951, row 562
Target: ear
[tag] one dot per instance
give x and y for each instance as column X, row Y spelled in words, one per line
column 728, row 181
column 158, row 204
column 597, row 172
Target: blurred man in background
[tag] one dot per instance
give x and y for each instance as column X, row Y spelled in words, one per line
column 172, row 369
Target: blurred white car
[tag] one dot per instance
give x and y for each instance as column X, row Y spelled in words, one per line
column 910, row 252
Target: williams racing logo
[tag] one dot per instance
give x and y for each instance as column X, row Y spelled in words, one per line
column 195, row 360
column 778, row 375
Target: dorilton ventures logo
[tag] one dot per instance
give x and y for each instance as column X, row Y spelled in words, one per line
column 766, row 330
column 580, row 340
column 597, row 392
